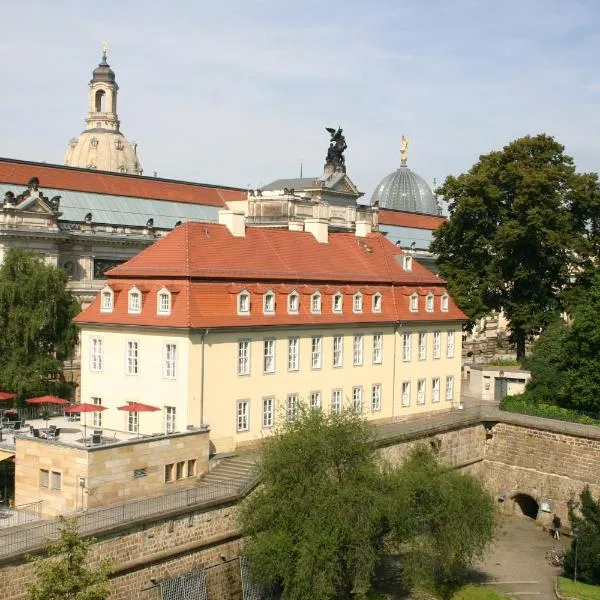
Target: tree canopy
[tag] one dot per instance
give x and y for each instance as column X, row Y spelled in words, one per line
column 327, row 509
column 522, row 223
column 36, row 310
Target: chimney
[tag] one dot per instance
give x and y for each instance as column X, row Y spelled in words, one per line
column 234, row 221
column 319, row 228
column 363, row 228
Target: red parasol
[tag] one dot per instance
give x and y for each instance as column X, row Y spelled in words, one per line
column 135, row 407
column 47, row 400
column 85, row 407
column 7, row 396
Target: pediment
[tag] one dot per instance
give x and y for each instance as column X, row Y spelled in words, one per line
column 342, row 184
column 35, row 204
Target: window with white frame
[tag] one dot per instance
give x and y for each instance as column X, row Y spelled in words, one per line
column 450, row 344
column 315, row 303
column 407, row 262
column 315, row 399
column 291, row 407
column 293, row 354
column 97, row 416
column 376, row 303
column 269, row 303
column 338, row 302
column 435, row 389
column 107, row 300
column 242, row 415
column 414, row 303
column 293, row 303
column 444, row 303
column 243, row 359
column 243, row 303
column 406, row 346
column 377, row 348
column 269, row 356
column 338, row 350
column 96, row 354
column 336, row 402
column 450, row 387
column 357, row 303
column 422, row 345
column 437, row 344
column 133, row 355
column 406, row 393
column 170, row 361
column 357, row 350
column 268, row 412
column 170, row 419
column 132, row 421
column 316, row 355
column 421, row 391
column 376, row 397
column 357, row 398
column 135, row 301
column 429, row 303
column 164, row 302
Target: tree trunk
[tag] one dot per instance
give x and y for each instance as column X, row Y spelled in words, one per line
column 520, row 341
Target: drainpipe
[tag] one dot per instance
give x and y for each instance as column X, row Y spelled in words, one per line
column 202, row 337
column 396, row 327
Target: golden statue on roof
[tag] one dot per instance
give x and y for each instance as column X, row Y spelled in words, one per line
column 104, row 50
column 403, row 149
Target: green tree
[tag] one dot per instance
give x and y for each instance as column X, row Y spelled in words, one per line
column 522, row 222
column 36, row 311
column 62, row 574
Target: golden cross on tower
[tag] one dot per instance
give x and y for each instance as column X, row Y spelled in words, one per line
column 104, row 50
column 403, row 149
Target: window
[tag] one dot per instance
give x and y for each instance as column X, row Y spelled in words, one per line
column 450, row 387
column 293, row 303
column 429, row 303
column 170, row 361
column 243, row 415
column 338, row 302
column 315, row 399
column 315, row 303
column 357, row 398
column 132, row 358
column 406, row 393
column 444, row 303
column 421, row 391
column 269, row 356
column 243, row 363
column 357, row 350
column 44, row 478
column 269, row 303
column 316, row 354
column 422, row 345
column 107, row 301
column 191, row 467
column 170, row 422
column 437, row 344
column 132, row 421
column 338, row 350
column 291, row 407
column 293, row 354
column 135, row 301
column 180, row 469
column 243, row 303
column 268, row 414
column 164, row 302
column 169, row 473
column 97, row 416
column 96, row 354
column 55, row 480
column 377, row 303
column 357, row 303
column 406, row 346
column 435, row 389
column 414, row 303
column 376, row 397
column 377, row 348
column 450, row 345
column 336, row 402
column 407, row 262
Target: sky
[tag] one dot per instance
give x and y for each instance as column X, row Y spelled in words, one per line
column 239, row 92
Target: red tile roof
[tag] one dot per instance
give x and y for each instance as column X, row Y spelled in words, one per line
column 405, row 219
column 103, row 182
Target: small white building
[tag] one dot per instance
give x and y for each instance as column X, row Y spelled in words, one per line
column 492, row 383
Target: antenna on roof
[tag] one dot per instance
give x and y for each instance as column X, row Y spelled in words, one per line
column 155, row 174
column 300, row 168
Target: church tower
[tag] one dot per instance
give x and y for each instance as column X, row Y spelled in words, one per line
column 101, row 145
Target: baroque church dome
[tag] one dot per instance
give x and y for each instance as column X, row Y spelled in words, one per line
column 405, row 191
column 101, row 145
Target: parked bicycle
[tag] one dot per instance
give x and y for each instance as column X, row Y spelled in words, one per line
column 556, row 556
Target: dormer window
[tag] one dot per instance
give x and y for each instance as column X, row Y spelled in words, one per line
column 429, row 303
column 163, row 305
column 269, row 303
column 315, row 303
column 135, row 301
column 293, row 303
column 377, row 303
column 107, row 300
column 414, row 303
column 407, row 262
column 243, row 303
column 357, row 303
column 338, row 302
column 444, row 303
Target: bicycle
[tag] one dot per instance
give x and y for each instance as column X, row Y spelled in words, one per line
column 556, row 556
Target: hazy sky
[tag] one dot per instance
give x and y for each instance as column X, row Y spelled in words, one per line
column 238, row 92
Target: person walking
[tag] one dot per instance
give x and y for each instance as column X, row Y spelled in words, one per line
column 556, row 527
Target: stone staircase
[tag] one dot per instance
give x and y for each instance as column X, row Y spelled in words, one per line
column 236, row 472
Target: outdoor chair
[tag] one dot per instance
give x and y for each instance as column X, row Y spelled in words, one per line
column 96, row 438
column 36, row 432
column 53, row 434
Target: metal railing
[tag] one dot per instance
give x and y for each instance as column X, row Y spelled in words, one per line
column 11, row 516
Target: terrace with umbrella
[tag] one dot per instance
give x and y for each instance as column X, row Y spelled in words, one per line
column 47, row 401
column 85, row 407
column 134, row 408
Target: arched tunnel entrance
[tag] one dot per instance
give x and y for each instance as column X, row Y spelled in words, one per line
column 525, row 505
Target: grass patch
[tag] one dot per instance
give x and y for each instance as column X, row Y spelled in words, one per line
column 503, row 362
column 518, row 404
column 478, row 592
column 583, row 591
